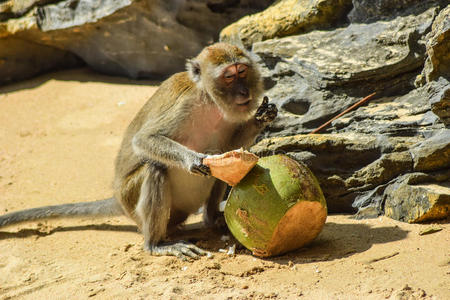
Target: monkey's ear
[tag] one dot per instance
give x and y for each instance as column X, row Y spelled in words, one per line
column 193, row 68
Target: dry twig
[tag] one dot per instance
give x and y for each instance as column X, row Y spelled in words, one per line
column 343, row 113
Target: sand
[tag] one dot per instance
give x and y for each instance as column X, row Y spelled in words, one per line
column 59, row 134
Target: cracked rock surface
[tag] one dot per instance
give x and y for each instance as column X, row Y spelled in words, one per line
column 392, row 155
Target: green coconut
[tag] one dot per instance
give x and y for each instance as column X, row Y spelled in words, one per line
column 277, row 207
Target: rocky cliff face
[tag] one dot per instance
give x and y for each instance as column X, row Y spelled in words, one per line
column 390, row 156
column 318, row 57
column 134, row 38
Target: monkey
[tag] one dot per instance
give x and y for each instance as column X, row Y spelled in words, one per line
column 213, row 107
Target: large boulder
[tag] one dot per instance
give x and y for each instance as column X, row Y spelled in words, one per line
column 412, row 198
column 286, row 18
column 391, row 155
column 437, row 63
column 439, row 91
column 314, row 76
column 146, row 38
column 366, row 11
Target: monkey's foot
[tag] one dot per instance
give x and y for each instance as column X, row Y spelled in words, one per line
column 181, row 249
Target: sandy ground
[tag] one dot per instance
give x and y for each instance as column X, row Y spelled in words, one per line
column 59, row 135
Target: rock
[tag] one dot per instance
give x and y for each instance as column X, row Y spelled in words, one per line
column 438, row 48
column 137, row 39
column 382, row 170
column 439, row 95
column 284, row 18
column 314, row 76
column 346, row 165
column 21, row 59
column 363, row 156
column 414, row 203
column 433, row 153
column 15, row 9
column 354, row 170
column 366, row 11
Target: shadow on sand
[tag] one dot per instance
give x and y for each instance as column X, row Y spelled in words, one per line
column 27, row 232
column 342, row 240
column 334, row 242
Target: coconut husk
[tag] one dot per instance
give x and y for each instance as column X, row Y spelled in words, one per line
column 231, row 166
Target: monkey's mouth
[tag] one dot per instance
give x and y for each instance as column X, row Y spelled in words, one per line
column 243, row 102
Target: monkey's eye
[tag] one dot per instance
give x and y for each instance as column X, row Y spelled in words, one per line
column 242, row 70
column 229, row 76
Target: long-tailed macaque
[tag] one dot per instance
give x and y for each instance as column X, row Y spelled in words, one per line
column 160, row 179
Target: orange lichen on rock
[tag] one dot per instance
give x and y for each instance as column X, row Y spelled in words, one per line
column 231, row 166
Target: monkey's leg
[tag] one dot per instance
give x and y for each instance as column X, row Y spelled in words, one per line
column 211, row 215
column 153, row 210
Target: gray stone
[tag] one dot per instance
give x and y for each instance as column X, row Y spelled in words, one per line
column 21, row 59
column 370, row 203
column 15, row 9
column 365, row 11
column 396, row 140
column 146, row 38
column 437, row 63
column 439, row 95
column 433, row 153
column 347, row 165
column 409, row 201
column 314, row 76
column 284, row 18
column 382, row 170
column 407, row 115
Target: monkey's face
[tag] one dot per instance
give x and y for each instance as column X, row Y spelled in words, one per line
column 230, row 77
column 235, row 84
column 237, row 90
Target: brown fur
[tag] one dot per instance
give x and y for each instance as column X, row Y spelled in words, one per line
column 171, row 134
column 222, row 53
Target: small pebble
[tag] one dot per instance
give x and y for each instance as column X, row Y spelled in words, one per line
column 232, row 250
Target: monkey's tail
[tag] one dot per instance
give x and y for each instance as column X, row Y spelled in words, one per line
column 107, row 207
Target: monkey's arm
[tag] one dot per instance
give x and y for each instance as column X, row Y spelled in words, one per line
column 152, row 145
column 246, row 133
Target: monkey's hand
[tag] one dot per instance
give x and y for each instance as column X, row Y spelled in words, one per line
column 197, row 167
column 181, row 249
column 266, row 112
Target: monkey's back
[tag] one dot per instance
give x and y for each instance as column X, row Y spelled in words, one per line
column 169, row 96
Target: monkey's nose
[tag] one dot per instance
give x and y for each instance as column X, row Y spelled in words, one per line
column 244, row 92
